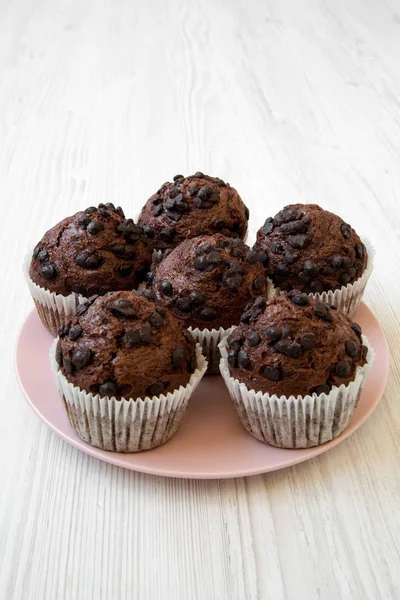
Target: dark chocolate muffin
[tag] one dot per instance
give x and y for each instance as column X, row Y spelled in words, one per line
column 123, row 345
column 93, row 252
column 193, row 206
column 207, row 281
column 310, row 249
column 294, row 345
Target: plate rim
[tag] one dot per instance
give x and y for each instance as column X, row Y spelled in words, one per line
column 117, row 458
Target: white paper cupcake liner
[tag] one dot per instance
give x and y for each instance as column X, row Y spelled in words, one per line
column 301, row 422
column 209, row 339
column 126, row 425
column 54, row 310
column 348, row 298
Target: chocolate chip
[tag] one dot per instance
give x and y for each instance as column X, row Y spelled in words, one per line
column 81, row 358
column 173, row 216
column 251, row 257
column 345, row 262
column 213, row 257
column 233, row 282
column 124, row 270
column 298, row 298
column 282, row 269
column 263, row 257
column 145, row 334
column 59, row 355
column 88, row 261
column 91, row 210
column 290, row 214
column 294, row 350
column 165, row 288
column 182, row 206
column 156, row 320
column 183, row 304
column 170, row 203
column 321, row 389
column 337, row 261
column 103, row 211
column 243, row 359
column 131, row 338
column 293, row 227
column 201, row 263
column 246, row 213
column 328, row 271
column 42, row 255
column 343, row 368
column 156, row 200
column 323, row 311
column 235, row 268
column 155, row 389
column 68, row 366
column 235, row 344
column 193, row 189
column 109, row 206
column 344, row 278
column 253, row 339
column 157, row 210
column 120, row 211
column 196, row 298
column 108, row 389
column 360, row 250
column 285, row 331
column 208, row 313
column 219, row 224
column 274, row 333
column 291, row 257
column 205, row 192
column 351, row 348
column 310, row 268
column 166, row 234
column 122, row 308
column 149, row 231
column 268, row 226
column 75, row 332
column 272, row 373
column 176, row 177
column 345, row 230
column 36, row 252
column 352, row 272
column 232, row 358
column 94, row 227
column 316, row 287
column 124, row 252
column 48, row 271
column 357, row 329
column 178, row 356
column 259, row 283
column 161, row 311
column 282, row 346
column 308, row 341
column 199, row 175
column 364, row 352
column 276, row 248
column 298, row 241
column 204, row 249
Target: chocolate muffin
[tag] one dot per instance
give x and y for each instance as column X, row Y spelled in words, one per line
column 193, row 206
column 92, row 252
column 295, row 345
column 123, row 345
column 207, row 281
column 310, row 249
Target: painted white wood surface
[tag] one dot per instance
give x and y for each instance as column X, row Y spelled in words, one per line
column 289, row 101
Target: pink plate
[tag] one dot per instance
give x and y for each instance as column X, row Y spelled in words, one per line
column 211, row 443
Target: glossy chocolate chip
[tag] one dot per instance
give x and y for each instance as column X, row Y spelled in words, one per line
column 173, row 216
column 178, row 356
column 145, row 334
column 351, row 348
column 345, row 262
column 36, row 252
column 246, row 213
column 219, row 225
column 345, row 230
column 357, row 329
column 59, row 355
column 213, row 257
column 199, row 175
column 268, row 226
column 294, row 350
column 88, row 261
column 293, row 227
column 273, row 333
column 179, row 176
column 208, row 313
column 108, row 389
column 149, row 231
column 232, row 358
column 291, row 257
column 193, row 189
column 42, row 255
column 156, row 320
column 156, row 200
column 337, row 261
column 75, row 332
column 122, row 308
column 201, row 264
column 321, row 389
column 94, row 227
column 272, row 373
column 251, row 257
column 344, row 278
column 253, row 339
column 343, row 368
column 364, row 352
column 170, row 203
column 166, row 288
column 308, row 341
column 81, row 358
column 310, row 268
column 48, row 271
column 298, row 298
column 316, row 287
column 68, row 366
column 91, row 210
column 243, row 359
column 263, row 257
column 124, row 252
column 157, row 210
column 131, row 338
column 166, row 234
column 204, row 249
column 323, row 311
column 298, row 241
column 259, row 283
column 329, row 271
column 233, row 282
column 276, row 248
column 235, row 344
column 351, row 272
column 196, row 298
column 183, row 304
column 155, row 389
column 360, row 250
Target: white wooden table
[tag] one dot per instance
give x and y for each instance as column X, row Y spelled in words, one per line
column 287, row 100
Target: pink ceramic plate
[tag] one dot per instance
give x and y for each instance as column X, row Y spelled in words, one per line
column 211, row 442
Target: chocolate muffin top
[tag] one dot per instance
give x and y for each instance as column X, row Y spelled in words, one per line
column 123, row 345
column 207, row 281
column 192, row 206
column 310, row 249
column 93, row 252
column 294, row 345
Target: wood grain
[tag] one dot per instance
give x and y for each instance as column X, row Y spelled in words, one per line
column 289, row 101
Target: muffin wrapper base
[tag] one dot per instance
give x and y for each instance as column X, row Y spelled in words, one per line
column 301, row 422
column 348, row 298
column 54, row 310
column 209, row 339
column 126, row 425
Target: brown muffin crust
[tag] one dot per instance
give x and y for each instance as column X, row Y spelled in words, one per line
column 294, row 345
column 123, row 345
column 310, row 249
column 92, row 252
column 193, row 206
column 207, row 281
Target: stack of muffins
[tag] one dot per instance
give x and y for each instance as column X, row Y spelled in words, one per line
column 143, row 310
